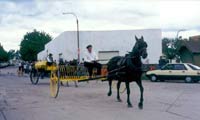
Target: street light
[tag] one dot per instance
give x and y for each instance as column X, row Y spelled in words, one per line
column 77, row 28
column 179, row 32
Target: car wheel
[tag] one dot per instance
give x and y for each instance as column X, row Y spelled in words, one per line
column 153, row 78
column 196, row 81
column 188, row 79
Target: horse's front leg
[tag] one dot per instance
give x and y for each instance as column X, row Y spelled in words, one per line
column 110, row 87
column 139, row 83
column 128, row 94
column 118, row 94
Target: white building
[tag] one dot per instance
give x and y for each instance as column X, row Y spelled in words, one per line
column 105, row 43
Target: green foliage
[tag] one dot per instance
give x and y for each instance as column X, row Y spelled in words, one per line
column 17, row 54
column 33, row 43
column 165, row 43
column 171, row 53
column 3, row 54
column 11, row 54
column 169, row 48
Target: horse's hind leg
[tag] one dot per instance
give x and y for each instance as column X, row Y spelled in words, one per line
column 128, row 94
column 118, row 88
column 110, row 87
column 139, row 83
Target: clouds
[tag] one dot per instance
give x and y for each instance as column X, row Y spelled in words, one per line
column 128, row 13
column 180, row 15
column 177, row 15
column 21, row 16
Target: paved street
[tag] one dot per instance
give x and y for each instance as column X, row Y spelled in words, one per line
column 20, row 100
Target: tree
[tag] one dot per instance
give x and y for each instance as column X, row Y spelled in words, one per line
column 11, row 54
column 17, row 55
column 165, row 42
column 3, row 54
column 169, row 48
column 33, row 43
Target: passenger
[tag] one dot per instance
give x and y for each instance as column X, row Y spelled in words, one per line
column 61, row 61
column 50, row 59
column 90, row 61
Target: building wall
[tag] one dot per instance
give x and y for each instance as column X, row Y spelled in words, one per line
column 197, row 59
column 186, row 56
column 117, row 40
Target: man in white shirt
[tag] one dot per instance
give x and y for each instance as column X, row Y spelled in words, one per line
column 90, row 61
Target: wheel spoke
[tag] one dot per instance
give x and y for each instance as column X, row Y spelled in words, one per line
column 34, row 77
column 54, row 84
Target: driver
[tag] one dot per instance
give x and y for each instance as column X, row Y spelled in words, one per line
column 90, row 61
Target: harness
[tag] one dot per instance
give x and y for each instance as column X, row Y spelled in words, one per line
column 126, row 62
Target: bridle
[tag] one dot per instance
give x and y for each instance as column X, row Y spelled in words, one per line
column 142, row 50
column 134, row 56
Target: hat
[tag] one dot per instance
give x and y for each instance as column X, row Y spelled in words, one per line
column 89, row 46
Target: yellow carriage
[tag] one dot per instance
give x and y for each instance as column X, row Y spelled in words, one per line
column 38, row 69
column 63, row 73
column 69, row 73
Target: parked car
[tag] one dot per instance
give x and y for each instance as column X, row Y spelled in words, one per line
column 181, row 71
column 4, row 64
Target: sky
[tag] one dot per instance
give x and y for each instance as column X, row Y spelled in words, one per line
column 17, row 17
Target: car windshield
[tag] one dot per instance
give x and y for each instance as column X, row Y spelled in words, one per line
column 194, row 67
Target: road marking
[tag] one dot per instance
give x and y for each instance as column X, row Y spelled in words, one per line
column 2, row 114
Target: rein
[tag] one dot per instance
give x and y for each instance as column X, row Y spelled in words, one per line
column 122, row 67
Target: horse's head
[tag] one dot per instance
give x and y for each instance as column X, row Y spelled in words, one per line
column 140, row 47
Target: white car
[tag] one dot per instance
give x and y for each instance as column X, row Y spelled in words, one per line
column 179, row 71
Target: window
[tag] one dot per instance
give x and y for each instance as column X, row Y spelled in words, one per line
column 104, row 56
column 174, row 67
column 179, row 67
column 194, row 67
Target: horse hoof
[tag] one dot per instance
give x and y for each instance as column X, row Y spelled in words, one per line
column 130, row 106
column 119, row 100
column 109, row 94
column 140, row 106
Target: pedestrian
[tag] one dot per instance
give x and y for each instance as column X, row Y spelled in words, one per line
column 162, row 61
column 61, row 61
column 20, row 69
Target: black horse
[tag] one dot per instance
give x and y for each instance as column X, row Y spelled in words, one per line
column 127, row 69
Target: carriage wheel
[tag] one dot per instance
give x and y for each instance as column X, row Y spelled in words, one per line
column 122, row 87
column 34, row 76
column 54, row 83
